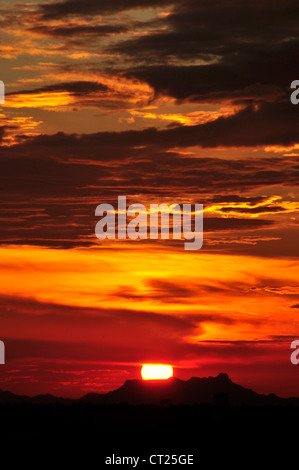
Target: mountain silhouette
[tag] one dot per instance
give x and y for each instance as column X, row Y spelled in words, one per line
column 137, row 419
column 206, row 390
column 196, row 390
column 47, row 399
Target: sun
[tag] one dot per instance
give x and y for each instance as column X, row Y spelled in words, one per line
column 156, row 372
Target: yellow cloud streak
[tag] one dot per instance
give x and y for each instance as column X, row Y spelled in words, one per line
column 234, row 208
column 39, row 100
column 188, row 119
column 281, row 149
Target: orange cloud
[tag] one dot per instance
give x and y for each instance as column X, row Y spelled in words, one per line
column 107, row 91
column 169, row 283
column 40, row 100
column 187, row 119
column 16, row 125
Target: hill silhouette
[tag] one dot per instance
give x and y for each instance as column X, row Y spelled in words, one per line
column 133, row 420
column 195, row 391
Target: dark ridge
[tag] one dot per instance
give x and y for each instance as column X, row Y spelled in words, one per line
column 219, row 390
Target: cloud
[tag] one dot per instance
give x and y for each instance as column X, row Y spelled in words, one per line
column 230, row 224
column 82, row 171
column 76, row 88
column 84, row 30
column 54, row 331
column 67, row 8
column 218, row 51
column 61, row 96
column 113, row 92
column 216, row 83
column 3, row 132
column 103, row 328
column 267, row 124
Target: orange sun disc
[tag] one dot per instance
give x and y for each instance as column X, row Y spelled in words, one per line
column 156, row 372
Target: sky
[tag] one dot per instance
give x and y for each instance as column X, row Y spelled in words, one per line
column 164, row 102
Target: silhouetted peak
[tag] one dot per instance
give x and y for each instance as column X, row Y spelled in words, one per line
column 5, row 392
column 223, row 377
column 131, row 383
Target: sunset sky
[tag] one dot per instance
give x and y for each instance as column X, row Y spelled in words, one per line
column 174, row 101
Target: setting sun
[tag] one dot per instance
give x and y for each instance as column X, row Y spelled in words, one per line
column 156, row 372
